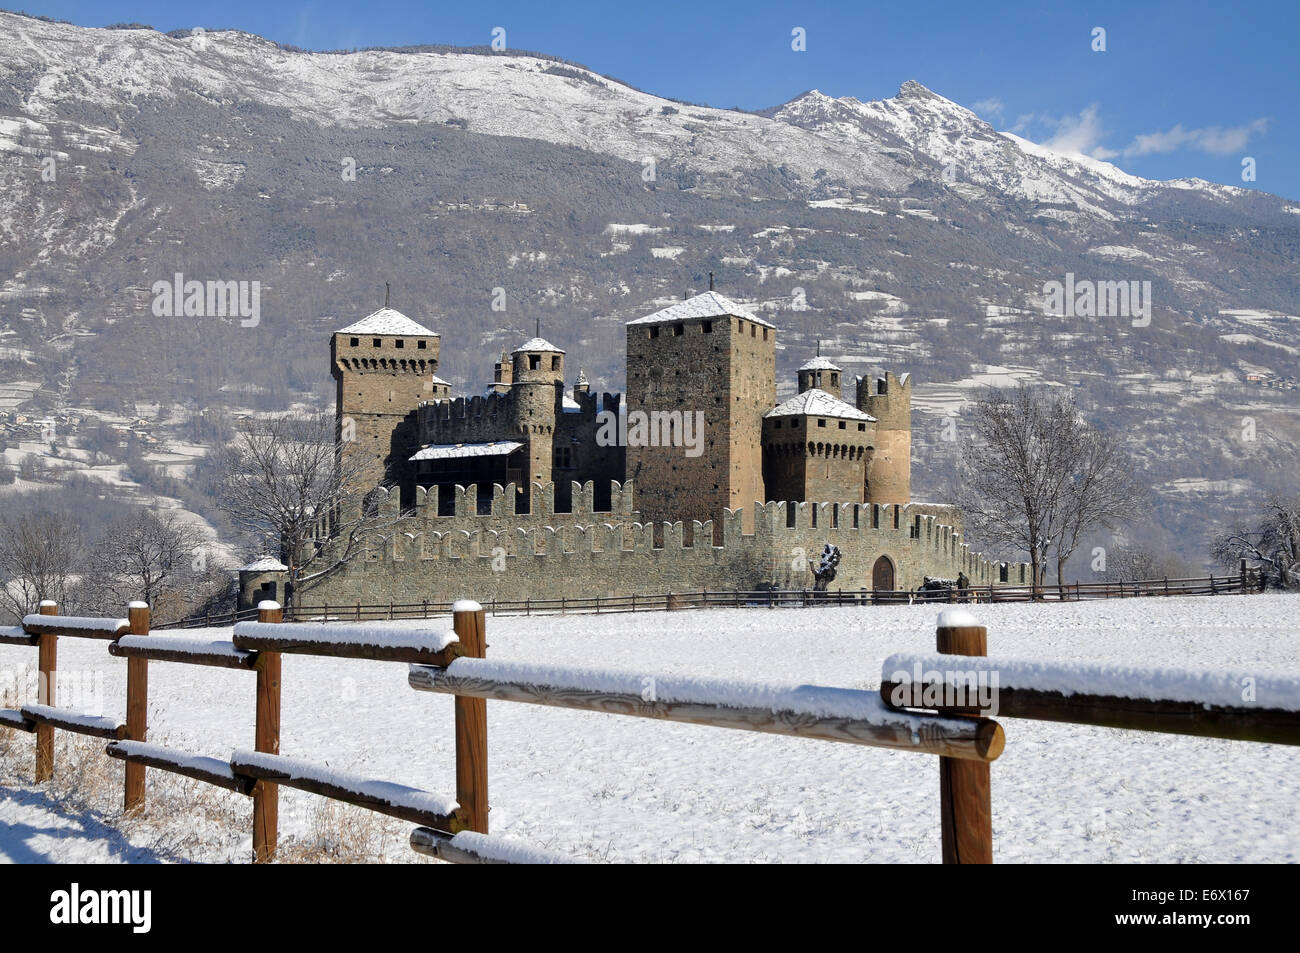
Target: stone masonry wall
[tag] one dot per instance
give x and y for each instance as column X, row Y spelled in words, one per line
column 585, row 553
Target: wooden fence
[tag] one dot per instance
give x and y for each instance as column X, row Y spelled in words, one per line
column 958, row 729
column 749, row 598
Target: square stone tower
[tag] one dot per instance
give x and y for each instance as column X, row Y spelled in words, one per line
column 889, row 470
column 383, row 366
column 707, row 355
column 816, row 448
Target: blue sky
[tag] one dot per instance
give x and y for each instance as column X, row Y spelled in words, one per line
column 1182, row 89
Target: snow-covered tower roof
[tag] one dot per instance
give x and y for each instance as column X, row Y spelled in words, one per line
column 710, row 304
column 388, row 321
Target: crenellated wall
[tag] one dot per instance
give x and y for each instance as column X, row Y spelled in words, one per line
column 555, row 551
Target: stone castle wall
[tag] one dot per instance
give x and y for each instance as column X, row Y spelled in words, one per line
column 550, row 553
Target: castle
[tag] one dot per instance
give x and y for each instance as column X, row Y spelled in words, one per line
column 694, row 478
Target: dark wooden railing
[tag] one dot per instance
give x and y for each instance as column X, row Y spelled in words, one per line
column 750, row 598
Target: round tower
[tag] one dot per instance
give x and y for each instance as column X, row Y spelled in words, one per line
column 538, row 387
column 889, row 471
column 820, row 374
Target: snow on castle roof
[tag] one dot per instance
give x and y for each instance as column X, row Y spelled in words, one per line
column 818, row 364
column 449, row 451
column 817, row 403
column 387, row 321
column 707, row 305
column 537, row 344
column 264, row 564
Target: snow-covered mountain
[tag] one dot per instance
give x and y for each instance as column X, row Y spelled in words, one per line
column 874, row 144
column 906, row 231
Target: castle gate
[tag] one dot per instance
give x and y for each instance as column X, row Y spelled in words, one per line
column 882, row 574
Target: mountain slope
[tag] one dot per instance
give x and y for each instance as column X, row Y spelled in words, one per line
column 906, row 232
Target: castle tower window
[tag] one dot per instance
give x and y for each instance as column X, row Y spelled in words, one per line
column 374, row 342
column 835, row 378
column 678, row 330
column 654, row 333
column 765, row 334
column 842, row 425
column 555, row 363
column 753, row 331
column 419, row 345
column 356, row 341
column 821, row 423
column 534, row 362
column 777, row 425
column 401, row 343
column 862, row 428
column 707, row 326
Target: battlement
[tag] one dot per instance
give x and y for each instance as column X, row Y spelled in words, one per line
column 497, row 527
column 496, row 404
column 507, row 502
column 888, row 386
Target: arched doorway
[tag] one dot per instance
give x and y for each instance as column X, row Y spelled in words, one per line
column 882, row 574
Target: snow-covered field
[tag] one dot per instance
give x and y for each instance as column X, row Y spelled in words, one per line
column 624, row 789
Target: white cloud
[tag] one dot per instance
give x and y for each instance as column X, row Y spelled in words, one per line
column 1215, row 140
column 991, row 107
column 1079, row 134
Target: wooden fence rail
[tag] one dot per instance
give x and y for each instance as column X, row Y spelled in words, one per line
column 958, row 728
column 746, row 598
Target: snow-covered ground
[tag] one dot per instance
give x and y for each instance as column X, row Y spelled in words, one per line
column 614, row 788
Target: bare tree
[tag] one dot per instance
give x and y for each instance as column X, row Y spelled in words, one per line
column 145, row 556
column 1143, row 564
column 1038, row 478
column 1101, row 493
column 1270, row 543
column 39, row 556
column 308, row 497
column 1014, row 471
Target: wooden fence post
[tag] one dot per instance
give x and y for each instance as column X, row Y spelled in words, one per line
column 266, row 796
column 137, row 704
column 47, row 663
column 965, row 797
column 471, row 722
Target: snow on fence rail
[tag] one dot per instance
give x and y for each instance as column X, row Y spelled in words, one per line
column 469, row 847
column 83, row 627
column 1236, row 704
column 383, row 797
column 220, row 653
column 806, row 711
column 17, row 635
column 75, row 721
column 12, row 718
column 202, row 768
column 348, row 641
